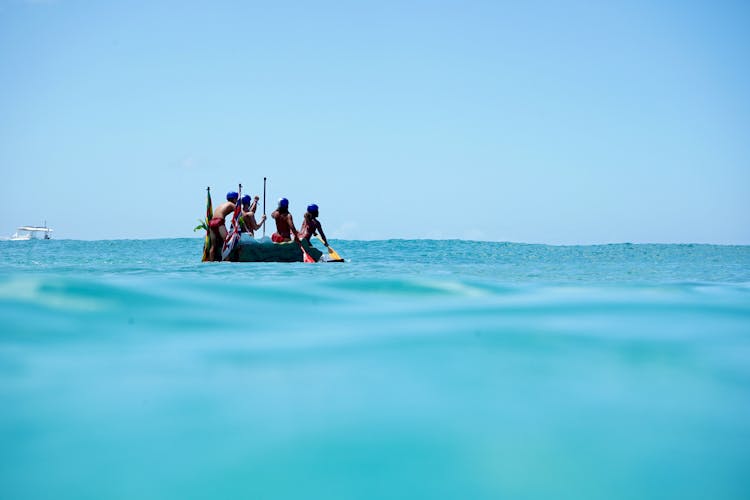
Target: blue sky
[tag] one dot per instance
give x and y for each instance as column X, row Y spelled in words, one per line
column 555, row 122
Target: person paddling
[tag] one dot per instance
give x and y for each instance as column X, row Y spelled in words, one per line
column 284, row 223
column 216, row 225
column 311, row 225
column 248, row 222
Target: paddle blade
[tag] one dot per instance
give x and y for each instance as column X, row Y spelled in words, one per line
column 334, row 255
column 306, row 257
column 230, row 243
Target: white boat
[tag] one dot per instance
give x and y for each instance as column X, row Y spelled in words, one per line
column 25, row 233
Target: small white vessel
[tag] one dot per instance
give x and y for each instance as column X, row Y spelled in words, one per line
column 25, row 233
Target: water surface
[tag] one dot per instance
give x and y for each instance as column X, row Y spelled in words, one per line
column 417, row 369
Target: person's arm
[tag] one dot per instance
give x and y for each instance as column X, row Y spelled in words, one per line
column 253, row 223
column 291, row 226
column 254, row 205
column 262, row 220
column 322, row 234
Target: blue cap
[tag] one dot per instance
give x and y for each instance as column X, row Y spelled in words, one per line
column 312, row 208
column 283, row 203
column 246, row 199
column 232, row 195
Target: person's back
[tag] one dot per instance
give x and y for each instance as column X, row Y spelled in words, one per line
column 311, row 225
column 284, row 223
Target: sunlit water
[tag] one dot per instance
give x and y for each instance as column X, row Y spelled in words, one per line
column 417, row 369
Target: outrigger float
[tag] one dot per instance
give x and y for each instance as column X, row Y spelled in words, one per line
column 241, row 247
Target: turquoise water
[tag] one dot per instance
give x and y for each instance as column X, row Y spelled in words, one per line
column 418, row 369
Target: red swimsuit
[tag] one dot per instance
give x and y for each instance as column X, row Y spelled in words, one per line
column 215, row 224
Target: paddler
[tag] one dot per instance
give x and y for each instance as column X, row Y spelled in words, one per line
column 248, row 222
column 284, row 223
column 311, row 225
column 216, row 224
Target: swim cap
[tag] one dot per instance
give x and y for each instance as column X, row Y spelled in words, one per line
column 283, row 203
column 232, row 195
column 246, row 199
column 312, row 208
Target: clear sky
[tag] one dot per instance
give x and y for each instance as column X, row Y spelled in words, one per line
column 555, row 122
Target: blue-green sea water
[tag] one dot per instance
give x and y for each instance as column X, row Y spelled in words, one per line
column 417, row 369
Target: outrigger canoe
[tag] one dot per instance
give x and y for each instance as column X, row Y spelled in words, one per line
column 264, row 250
column 241, row 247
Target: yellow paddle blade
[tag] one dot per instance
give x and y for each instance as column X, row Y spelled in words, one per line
column 333, row 253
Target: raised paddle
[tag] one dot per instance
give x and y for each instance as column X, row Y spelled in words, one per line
column 233, row 237
column 331, row 252
column 264, row 205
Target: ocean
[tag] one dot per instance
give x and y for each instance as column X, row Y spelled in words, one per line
column 416, row 369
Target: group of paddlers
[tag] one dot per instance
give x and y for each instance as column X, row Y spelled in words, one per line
column 285, row 229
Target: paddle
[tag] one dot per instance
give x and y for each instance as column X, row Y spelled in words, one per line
column 264, row 205
column 333, row 254
column 233, row 237
column 305, row 256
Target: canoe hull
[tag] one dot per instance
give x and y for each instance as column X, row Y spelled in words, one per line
column 264, row 250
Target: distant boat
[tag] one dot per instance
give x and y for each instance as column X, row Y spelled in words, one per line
column 26, row 233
